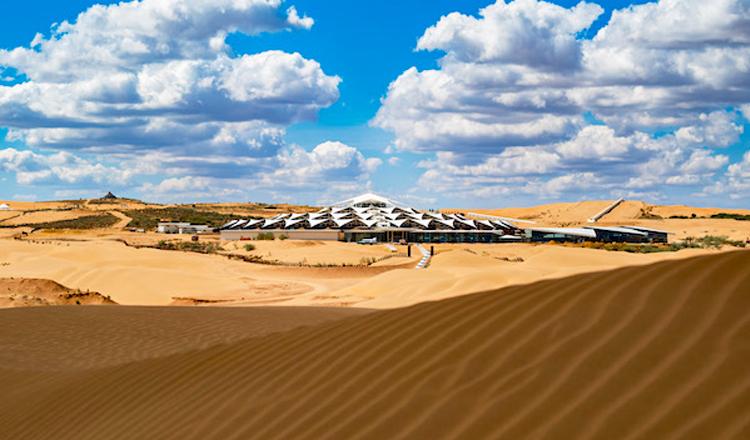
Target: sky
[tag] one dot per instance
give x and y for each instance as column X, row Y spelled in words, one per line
column 441, row 104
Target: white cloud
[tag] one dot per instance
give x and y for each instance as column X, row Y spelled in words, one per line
column 596, row 142
column 668, row 79
column 528, row 33
column 155, row 78
column 521, row 75
column 735, row 183
column 124, row 36
column 326, row 163
column 60, row 168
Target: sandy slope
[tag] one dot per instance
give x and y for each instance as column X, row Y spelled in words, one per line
column 574, row 213
column 83, row 337
column 312, row 251
column 25, row 292
column 455, row 271
column 153, row 277
column 648, row 352
column 33, row 217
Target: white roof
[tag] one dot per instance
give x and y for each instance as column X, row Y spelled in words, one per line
column 614, row 229
column 341, row 223
column 369, row 198
column 486, row 223
column 425, row 222
column 468, row 222
column 641, row 228
column 511, row 237
column 397, row 223
column 239, row 224
column 5, row 207
column 448, row 223
column 290, row 222
column 252, row 222
column 230, row 223
column 579, row 232
column 316, row 222
column 270, row 221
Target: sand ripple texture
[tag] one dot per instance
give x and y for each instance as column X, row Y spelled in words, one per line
column 649, row 352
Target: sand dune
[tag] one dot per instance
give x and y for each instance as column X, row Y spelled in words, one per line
column 647, row 352
column 34, row 217
column 25, row 292
column 84, row 337
column 629, row 211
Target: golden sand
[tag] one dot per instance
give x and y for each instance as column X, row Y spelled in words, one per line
column 642, row 352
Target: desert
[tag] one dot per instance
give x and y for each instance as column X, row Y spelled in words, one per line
column 383, row 220
column 328, row 339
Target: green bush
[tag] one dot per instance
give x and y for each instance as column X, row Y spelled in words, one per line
column 86, row 222
column 149, row 218
column 724, row 215
column 283, row 237
column 190, row 246
column 265, row 236
column 712, row 241
column 249, row 247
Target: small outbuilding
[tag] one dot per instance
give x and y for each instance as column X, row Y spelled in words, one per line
column 182, row 228
column 5, row 207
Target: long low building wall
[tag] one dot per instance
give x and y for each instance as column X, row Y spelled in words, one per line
column 293, row 234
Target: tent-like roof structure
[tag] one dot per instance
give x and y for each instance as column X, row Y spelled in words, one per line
column 5, row 207
column 373, row 212
column 369, row 199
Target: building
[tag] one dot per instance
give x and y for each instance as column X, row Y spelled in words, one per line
column 609, row 234
column 371, row 216
column 182, row 228
column 5, row 207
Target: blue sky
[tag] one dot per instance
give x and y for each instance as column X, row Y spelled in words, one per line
column 436, row 103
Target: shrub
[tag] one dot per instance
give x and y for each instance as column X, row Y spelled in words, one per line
column 724, row 215
column 149, row 218
column 249, row 247
column 265, row 236
column 712, row 241
column 86, row 222
column 283, row 237
column 189, row 246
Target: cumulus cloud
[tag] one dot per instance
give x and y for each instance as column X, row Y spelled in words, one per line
column 735, row 183
column 518, row 85
column 156, row 79
column 596, row 155
column 326, row 163
column 60, row 168
column 122, row 37
column 521, row 32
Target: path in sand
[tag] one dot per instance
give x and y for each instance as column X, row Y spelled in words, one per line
column 124, row 220
column 646, row 352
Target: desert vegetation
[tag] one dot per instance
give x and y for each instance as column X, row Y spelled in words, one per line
column 150, row 217
column 190, row 246
column 87, row 222
column 706, row 242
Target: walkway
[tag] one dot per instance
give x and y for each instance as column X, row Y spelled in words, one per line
column 426, row 256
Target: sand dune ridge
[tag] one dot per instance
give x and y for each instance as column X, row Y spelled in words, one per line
column 643, row 352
